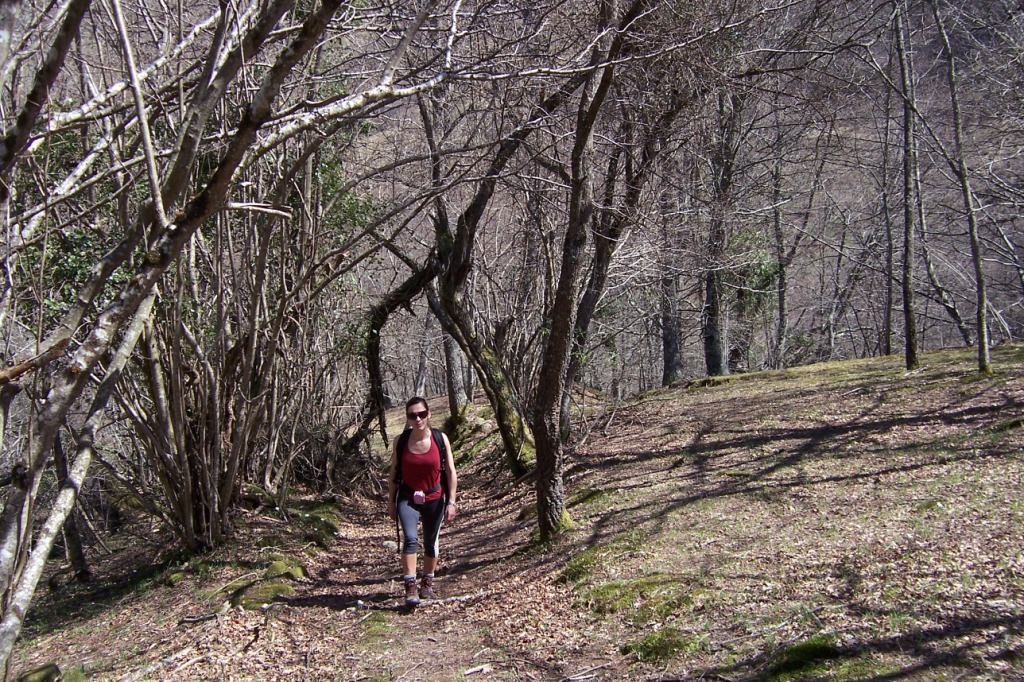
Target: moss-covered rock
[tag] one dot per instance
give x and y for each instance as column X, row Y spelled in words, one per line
column 319, row 523
column 45, row 673
column 256, row 496
column 270, row 541
column 173, row 578
column 258, row 595
column 285, row 567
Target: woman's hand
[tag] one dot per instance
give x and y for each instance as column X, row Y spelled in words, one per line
column 392, row 509
column 450, row 512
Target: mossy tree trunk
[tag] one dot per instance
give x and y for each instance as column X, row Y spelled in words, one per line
column 497, row 385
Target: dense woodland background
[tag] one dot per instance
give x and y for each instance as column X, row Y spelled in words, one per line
column 236, row 233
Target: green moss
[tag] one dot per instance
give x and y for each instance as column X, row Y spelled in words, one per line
column 376, row 627
column 257, row 595
column 644, row 599
column 46, row 673
column 563, row 524
column 582, row 567
column 803, row 659
column 489, row 443
column 172, row 579
column 865, row 669
column 662, row 645
column 594, row 497
column 256, row 495
column 318, row 521
column 76, row 674
column 285, row 567
column 527, row 455
column 270, row 542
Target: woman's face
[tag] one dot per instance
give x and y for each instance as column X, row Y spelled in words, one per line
column 417, row 414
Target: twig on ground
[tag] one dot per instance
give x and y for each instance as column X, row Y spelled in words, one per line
column 191, row 661
column 584, row 674
column 188, row 620
column 409, row 671
column 438, row 602
column 485, row 668
column 234, row 580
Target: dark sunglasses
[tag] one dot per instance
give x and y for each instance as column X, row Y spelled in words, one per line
column 418, row 415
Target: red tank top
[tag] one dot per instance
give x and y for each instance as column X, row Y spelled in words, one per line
column 422, row 471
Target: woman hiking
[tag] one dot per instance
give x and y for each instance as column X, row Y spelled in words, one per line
column 421, row 486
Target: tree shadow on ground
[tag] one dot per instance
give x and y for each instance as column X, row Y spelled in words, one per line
column 698, row 462
column 924, row 644
column 78, row 602
column 341, row 601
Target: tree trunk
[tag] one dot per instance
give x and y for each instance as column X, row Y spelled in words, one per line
column 456, row 377
column 457, row 373
column 782, row 277
column 890, row 240
column 551, row 507
column 552, row 516
column 964, row 176
column 420, row 384
column 72, row 538
column 911, row 360
column 8, row 19
column 723, row 161
column 713, row 324
column 20, row 585
column 671, row 331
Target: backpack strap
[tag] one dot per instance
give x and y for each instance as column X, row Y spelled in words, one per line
column 403, row 441
column 442, row 450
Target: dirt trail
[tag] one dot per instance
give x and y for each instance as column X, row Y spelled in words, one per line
column 495, row 618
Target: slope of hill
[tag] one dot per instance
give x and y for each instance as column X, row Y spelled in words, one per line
column 844, row 521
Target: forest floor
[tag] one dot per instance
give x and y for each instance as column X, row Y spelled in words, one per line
column 842, row 521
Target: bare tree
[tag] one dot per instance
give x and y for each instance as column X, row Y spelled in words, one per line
column 910, row 196
column 963, row 174
column 151, row 245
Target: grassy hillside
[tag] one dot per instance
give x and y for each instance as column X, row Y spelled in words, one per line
column 843, row 521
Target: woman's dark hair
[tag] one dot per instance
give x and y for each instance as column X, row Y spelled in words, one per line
column 416, row 400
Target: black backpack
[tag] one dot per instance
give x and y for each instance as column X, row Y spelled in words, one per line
column 403, row 440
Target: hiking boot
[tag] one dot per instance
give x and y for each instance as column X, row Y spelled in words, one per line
column 412, row 597
column 427, row 588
